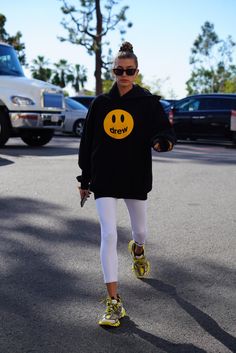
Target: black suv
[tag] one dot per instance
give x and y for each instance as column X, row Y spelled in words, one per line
column 207, row 116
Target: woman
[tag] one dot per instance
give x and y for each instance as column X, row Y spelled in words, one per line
column 116, row 162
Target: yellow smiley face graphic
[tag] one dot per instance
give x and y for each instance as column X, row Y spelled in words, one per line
column 118, row 124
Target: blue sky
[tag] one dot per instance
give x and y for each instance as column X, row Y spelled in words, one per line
column 162, row 34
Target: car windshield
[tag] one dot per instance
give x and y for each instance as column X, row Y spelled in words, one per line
column 9, row 63
column 72, row 104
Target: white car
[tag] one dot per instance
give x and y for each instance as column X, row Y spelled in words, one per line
column 75, row 115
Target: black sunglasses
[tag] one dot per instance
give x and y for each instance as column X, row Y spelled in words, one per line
column 119, row 72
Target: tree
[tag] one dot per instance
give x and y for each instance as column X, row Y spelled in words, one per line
column 77, row 77
column 108, row 76
column 40, row 70
column 87, row 26
column 15, row 40
column 107, row 81
column 230, row 86
column 61, row 73
column 211, row 58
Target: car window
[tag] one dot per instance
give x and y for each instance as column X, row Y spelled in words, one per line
column 188, row 105
column 72, row 104
column 217, row 103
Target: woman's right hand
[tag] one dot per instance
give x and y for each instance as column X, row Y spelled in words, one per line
column 84, row 193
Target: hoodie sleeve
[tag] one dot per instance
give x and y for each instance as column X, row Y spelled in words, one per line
column 85, row 148
column 161, row 129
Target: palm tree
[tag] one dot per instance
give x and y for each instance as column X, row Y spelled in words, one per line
column 61, row 73
column 40, row 70
column 77, row 77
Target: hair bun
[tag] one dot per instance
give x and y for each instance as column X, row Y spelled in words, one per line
column 126, row 47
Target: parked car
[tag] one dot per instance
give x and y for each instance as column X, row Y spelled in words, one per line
column 208, row 116
column 75, row 115
column 85, row 100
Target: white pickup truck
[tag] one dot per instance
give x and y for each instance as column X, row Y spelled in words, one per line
column 30, row 109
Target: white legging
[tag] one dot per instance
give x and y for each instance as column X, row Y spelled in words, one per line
column 106, row 207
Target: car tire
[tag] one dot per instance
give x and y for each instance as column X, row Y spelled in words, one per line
column 5, row 128
column 78, row 127
column 37, row 138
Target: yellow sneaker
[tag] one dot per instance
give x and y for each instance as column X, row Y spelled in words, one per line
column 114, row 312
column 140, row 266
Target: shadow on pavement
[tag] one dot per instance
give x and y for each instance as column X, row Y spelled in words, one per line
column 129, row 328
column 4, row 161
column 20, row 209
column 49, row 284
column 204, row 320
column 42, row 299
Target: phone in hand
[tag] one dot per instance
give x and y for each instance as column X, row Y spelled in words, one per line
column 83, row 200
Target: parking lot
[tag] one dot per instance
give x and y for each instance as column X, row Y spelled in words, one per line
column 51, row 283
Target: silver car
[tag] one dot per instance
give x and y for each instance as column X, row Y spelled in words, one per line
column 75, row 115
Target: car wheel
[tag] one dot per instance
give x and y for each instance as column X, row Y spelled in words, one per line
column 5, row 128
column 78, row 127
column 37, row 138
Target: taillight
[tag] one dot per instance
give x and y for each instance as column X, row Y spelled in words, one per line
column 233, row 120
column 171, row 117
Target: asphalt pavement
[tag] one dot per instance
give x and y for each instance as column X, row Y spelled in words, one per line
column 51, row 285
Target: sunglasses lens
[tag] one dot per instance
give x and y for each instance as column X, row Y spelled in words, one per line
column 118, row 72
column 130, row 72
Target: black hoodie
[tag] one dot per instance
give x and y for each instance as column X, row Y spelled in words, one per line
column 115, row 150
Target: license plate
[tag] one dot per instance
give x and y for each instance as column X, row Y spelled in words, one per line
column 54, row 118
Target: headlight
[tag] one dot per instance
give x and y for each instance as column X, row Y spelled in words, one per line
column 18, row 100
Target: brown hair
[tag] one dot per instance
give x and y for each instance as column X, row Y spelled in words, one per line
column 126, row 52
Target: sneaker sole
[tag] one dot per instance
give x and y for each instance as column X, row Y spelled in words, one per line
column 107, row 323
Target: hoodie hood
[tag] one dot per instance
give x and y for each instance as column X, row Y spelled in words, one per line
column 134, row 93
